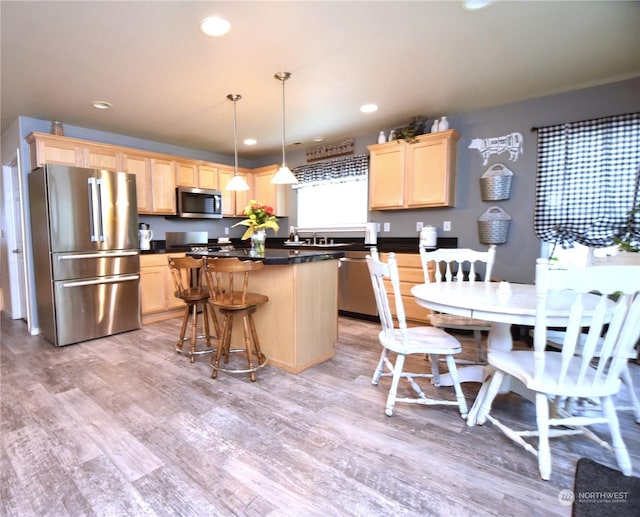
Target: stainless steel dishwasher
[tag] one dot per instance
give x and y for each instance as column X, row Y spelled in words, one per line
column 355, row 293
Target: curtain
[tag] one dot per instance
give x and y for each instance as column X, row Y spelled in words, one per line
column 587, row 181
column 353, row 168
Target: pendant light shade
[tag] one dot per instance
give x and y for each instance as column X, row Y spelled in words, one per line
column 284, row 176
column 237, row 182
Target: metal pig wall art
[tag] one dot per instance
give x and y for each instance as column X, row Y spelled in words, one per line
column 498, row 145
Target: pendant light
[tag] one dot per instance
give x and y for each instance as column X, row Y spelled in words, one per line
column 237, row 182
column 284, row 176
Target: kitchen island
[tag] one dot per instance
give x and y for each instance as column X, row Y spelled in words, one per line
column 298, row 326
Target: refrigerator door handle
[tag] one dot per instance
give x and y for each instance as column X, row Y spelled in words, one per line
column 77, row 256
column 100, row 219
column 93, row 210
column 107, row 280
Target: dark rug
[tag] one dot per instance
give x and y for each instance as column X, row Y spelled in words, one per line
column 599, row 490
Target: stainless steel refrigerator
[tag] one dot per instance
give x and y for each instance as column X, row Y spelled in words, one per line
column 84, row 228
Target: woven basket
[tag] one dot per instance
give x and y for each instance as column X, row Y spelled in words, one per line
column 493, row 226
column 495, row 183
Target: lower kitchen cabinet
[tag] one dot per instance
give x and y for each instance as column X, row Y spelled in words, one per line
column 156, row 288
column 410, row 271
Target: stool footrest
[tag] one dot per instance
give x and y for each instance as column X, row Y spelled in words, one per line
column 196, row 352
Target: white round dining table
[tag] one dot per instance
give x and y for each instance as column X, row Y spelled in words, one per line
column 503, row 305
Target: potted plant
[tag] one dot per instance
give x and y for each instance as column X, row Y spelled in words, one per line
column 628, row 239
column 260, row 217
column 411, row 131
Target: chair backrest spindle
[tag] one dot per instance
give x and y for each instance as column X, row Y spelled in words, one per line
column 449, row 263
column 612, row 321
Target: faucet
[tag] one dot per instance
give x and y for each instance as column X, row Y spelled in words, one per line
column 314, row 239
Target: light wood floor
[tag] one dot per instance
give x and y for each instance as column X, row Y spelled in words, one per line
column 124, row 426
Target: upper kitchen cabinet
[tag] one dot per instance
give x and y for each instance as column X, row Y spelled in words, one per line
column 421, row 174
column 186, row 174
column 98, row 156
column 233, row 202
column 386, row 175
column 196, row 175
column 268, row 193
column 208, row 177
column 163, row 187
column 155, row 183
column 45, row 148
column 140, row 165
column 244, row 196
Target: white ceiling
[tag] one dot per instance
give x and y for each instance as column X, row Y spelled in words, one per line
column 168, row 82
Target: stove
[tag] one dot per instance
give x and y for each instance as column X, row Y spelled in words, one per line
column 197, row 248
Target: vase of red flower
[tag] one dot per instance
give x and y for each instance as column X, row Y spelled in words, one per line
column 258, row 241
column 259, row 218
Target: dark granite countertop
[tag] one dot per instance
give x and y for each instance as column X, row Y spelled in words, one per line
column 275, row 256
column 385, row 244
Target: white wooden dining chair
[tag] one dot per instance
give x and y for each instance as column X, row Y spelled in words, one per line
column 447, row 265
column 404, row 341
column 557, row 375
column 555, row 339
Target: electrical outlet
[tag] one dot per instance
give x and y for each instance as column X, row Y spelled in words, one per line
column 226, row 230
column 387, row 227
column 418, row 226
column 446, row 226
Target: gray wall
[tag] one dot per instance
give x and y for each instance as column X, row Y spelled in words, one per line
column 516, row 258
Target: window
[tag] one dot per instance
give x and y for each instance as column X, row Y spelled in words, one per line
column 333, row 193
column 587, row 183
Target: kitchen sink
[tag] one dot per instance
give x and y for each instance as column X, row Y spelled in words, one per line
column 318, row 245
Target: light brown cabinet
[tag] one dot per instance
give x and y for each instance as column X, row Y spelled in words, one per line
column 163, row 187
column 267, row 193
column 208, row 177
column 101, row 157
column 140, row 165
column 55, row 149
column 157, row 301
column 233, row 203
column 196, row 175
column 157, row 175
column 186, row 174
column 411, row 273
column 421, row 174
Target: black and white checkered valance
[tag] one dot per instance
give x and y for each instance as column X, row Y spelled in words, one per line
column 353, row 168
column 587, row 180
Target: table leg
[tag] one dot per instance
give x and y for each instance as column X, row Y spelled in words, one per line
column 500, row 337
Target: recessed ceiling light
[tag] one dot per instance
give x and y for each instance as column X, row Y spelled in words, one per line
column 475, row 5
column 101, row 105
column 368, row 108
column 214, row 26
column 318, row 139
column 250, row 141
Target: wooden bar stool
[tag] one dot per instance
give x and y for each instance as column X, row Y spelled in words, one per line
column 187, row 274
column 228, row 280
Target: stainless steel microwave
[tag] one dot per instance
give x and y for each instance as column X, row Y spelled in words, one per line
column 199, row 203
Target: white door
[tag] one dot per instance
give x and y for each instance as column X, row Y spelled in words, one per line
column 16, row 298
